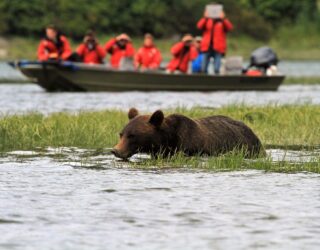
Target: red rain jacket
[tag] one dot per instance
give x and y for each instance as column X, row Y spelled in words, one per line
column 117, row 53
column 148, row 58
column 48, row 49
column 94, row 56
column 219, row 29
column 181, row 57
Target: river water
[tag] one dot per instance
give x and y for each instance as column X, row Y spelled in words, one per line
column 21, row 98
column 51, row 203
column 62, row 200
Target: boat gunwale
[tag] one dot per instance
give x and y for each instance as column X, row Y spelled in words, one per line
column 131, row 80
column 103, row 68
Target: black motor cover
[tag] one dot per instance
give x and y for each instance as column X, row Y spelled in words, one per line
column 263, row 57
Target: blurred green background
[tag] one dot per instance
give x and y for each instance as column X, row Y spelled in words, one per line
column 291, row 27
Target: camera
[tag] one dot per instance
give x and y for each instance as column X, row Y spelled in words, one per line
column 91, row 43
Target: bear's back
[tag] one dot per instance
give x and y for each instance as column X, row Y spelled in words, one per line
column 225, row 133
column 212, row 135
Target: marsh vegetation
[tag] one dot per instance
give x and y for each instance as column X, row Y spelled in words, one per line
column 285, row 127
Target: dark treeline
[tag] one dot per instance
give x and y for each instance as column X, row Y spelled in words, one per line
column 255, row 18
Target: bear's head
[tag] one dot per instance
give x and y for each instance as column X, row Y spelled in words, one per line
column 143, row 133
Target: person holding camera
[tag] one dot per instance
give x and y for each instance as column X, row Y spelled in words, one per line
column 214, row 39
column 119, row 48
column 183, row 53
column 90, row 51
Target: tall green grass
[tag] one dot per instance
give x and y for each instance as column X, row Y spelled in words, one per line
column 86, row 129
column 233, row 161
column 275, row 125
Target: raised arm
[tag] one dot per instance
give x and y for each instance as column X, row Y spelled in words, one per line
column 80, row 50
column 108, row 46
column 177, row 48
column 193, row 53
column 227, row 24
column 201, row 25
column 100, row 51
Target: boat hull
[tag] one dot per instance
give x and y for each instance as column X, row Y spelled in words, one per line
column 80, row 77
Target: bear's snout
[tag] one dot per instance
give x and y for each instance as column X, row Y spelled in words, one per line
column 121, row 149
column 117, row 153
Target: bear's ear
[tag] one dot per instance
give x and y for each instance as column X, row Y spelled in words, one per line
column 133, row 112
column 156, row 118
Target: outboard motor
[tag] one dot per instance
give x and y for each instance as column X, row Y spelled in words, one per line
column 263, row 57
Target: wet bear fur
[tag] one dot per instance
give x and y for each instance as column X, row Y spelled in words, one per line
column 159, row 135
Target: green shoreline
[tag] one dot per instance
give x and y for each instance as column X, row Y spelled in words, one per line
column 287, row 48
column 288, row 127
column 302, row 80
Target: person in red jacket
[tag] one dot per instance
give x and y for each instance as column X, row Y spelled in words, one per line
column 183, row 53
column 54, row 46
column 214, row 38
column 148, row 56
column 119, row 48
column 90, row 51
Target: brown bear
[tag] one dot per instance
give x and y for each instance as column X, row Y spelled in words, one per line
column 159, row 135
